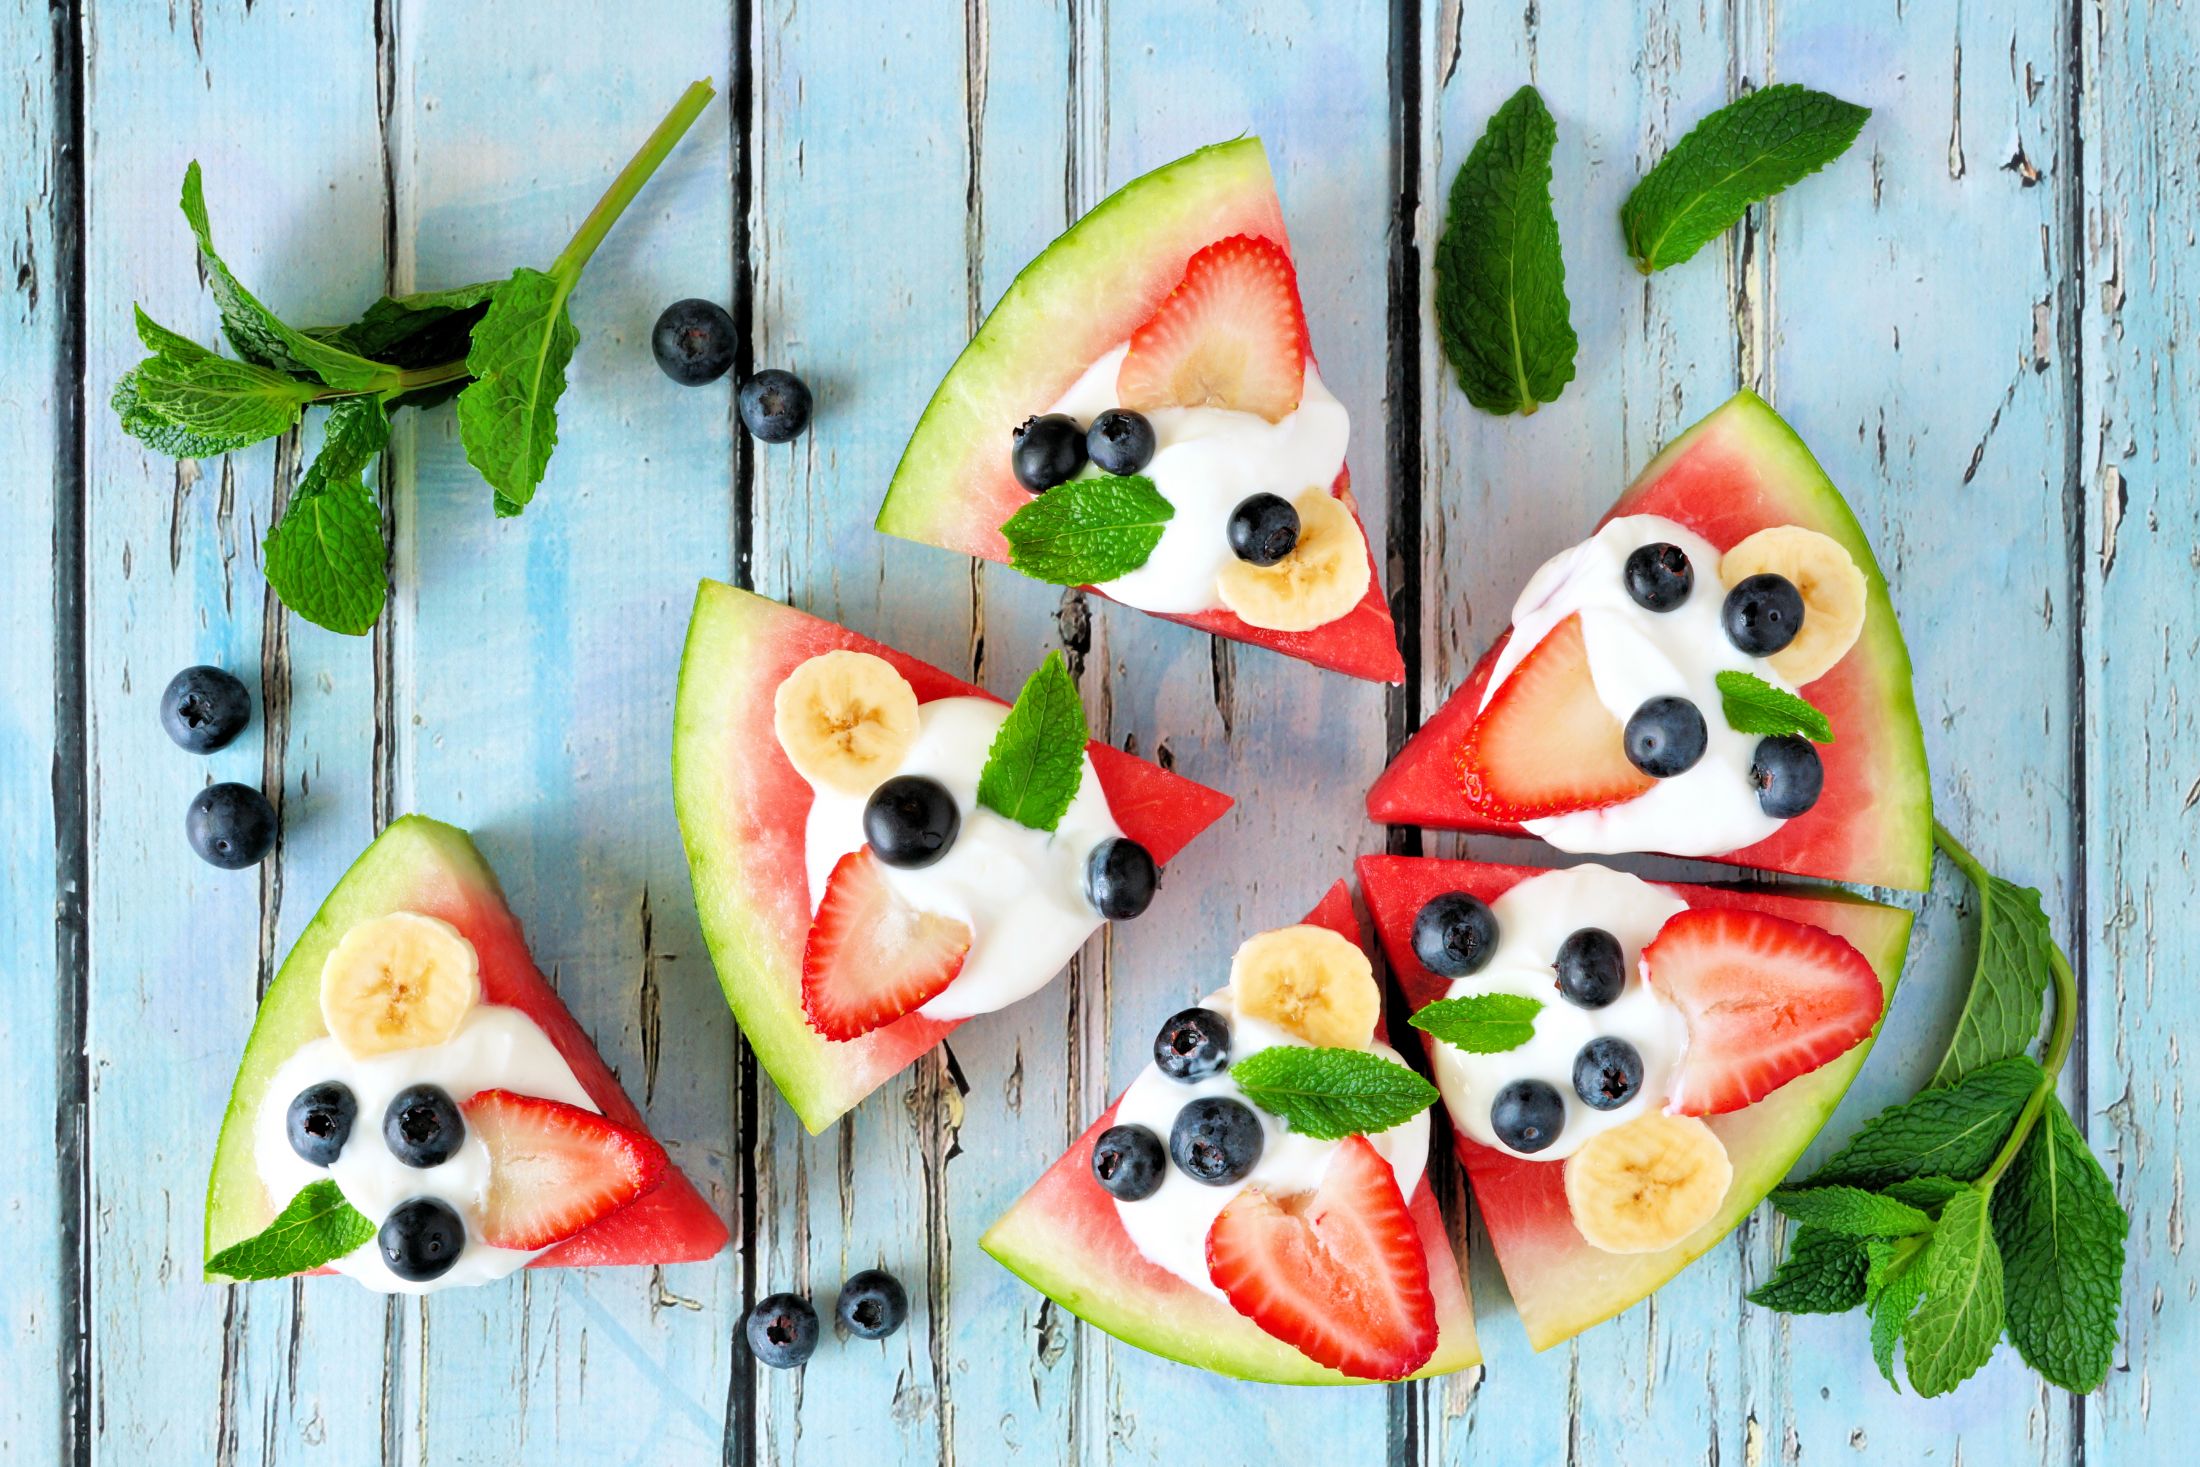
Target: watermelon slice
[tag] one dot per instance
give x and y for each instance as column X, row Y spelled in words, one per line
column 1065, row 1238
column 1560, row 1283
column 422, row 865
column 1084, row 296
column 1736, row 472
column 743, row 810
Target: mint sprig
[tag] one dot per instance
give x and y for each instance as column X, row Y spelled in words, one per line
column 324, row 556
column 1481, row 1023
column 1332, row 1093
column 2001, row 1013
column 317, row 1226
column 1037, row 759
column 1754, row 706
column 1088, row 530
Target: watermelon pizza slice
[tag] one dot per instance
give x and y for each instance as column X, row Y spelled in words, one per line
column 1141, row 413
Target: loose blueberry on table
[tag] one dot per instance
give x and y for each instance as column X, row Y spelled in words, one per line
column 693, row 341
column 872, row 1304
column 204, row 709
column 230, row 825
column 775, row 405
column 782, row 1331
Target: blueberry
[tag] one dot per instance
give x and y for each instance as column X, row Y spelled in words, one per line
column 775, row 405
column 1047, row 451
column 1592, row 970
column 1665, row 737
column 422, row 1127
column 1264, row 528
column 693, row 341
column 1215, row 1140
column 320, row 1121
column 1527, row 1116
column 872, row 1304
column 1192, row 1045
column 422, row 1238
column 204, row 708
column 782, row 1331
column 1454, row 934
column 1120, row 441
column 1659, row 576
column 230, row 825
column 1127, row 1162
column 1120, row 878
column 1787, row 774
column 910, row 821
column 1607, row 1073
column 1762, row 614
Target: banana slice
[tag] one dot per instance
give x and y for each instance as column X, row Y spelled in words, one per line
column 1832, row 589
column 1309, row 980
column 1319, row 581
column 401, row 981
column 1644, row 1186
column 845, row 719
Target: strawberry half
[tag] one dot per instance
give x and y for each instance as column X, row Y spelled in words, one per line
column 1766, row 1000
column 1337, row 1273
column 1231, row 335
column 871, row 957
column 555, row 1168
column 1545, row 745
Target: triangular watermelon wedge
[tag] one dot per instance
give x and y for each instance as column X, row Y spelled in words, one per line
column 1560, row 1284
column 423, row 865
column 1736, row 472
column 742, row 810
column 1064, row 1238
column 1082, row 297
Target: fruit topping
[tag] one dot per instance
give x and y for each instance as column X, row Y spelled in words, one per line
column 1765, row 1000
column 1659, row 576
column 782, row 1331
column 1192, row 1045
column 871, row 957
column 1128, row 1163
column 1607, row 1072
column 1046, row 451
column 1454, row 934
column 1592, row 969
column 403, row 980
column 1787, row 775
column 1762, row 614
column 872, row 1304
column 555, row 1168
column 1216, row 1140
column 1545, row 744
column 1338, row 1273
column 775, row 405
column 1231, row 335
column 203, row 708
column 1527, row 1115
column 1120, row 441
column 230, row 825
column 693, row 341
column 1646, row 1185
column 319, row 1121
column 1312, row 981
column 845, row 719
column 1325, row 575
column 1825, row 576
column 422, row 1127
column 911, row 821
column 1263, row 529
column 421, row 1239
column 1120, row 878
column 1665, row 737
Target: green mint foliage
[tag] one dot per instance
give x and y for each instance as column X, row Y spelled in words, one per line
column 1927, row 1194
column 1748, row 150
column 217, row 400
column 1037, row 759
column 1332, row 1093
column 1482, row 1023
column 1959, row 1318
column 508, row 415
column 395, row 324
column 1501, row 310
column 1823, row 1273
column 156, row 432
column 316, row 1227
column 2001, row 1015
column 1852, row 1212
column 1891, row 1292
column 2061, row 1233
column 1949, row 1132
column 325, row 557
column 1754, row 706
column 1088, row 530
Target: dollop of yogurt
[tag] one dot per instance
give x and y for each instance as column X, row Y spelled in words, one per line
column 1533, row 919
column 1020, row 891
column 496, row 1048
column 1634, row 655
column 1206, row 461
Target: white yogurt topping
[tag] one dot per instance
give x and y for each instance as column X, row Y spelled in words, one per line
column 496, row 1048
column 1206, row 461
column 1533, row 919
column 1635, row 655
column 1170, row 1227
column 1020, row 891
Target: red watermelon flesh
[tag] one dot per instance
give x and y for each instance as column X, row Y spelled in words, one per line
column 743, row 810
column 1559, row 1282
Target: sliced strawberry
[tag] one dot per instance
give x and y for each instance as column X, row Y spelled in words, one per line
column 1766, row 1000
column 1545, row 745
column 555, row 1168
column 1231, row 335
column 871, row 957
column 1337, row 1273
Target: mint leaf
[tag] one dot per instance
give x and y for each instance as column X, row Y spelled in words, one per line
column 1891, row 1291
column 1501, row 308
column 162, row 342
column 2061, row 1233
column 1332, row 1093
column 508, row 415
column 1823, row 1273
column 1482, row 1023
column 1927, row 1194
column 216, row 400
column 1851, row 1211
column 1748, row 150
column 1037, row 760
column 162, row 436
column 317, row 1226
column 325, row 557
column 1754, row 706
column 396, row 325
column 2001, row 1014
column 1088, row 530
column 1950, row 1132
column 1959, row 1318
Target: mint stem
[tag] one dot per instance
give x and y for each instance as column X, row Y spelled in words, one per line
column 629, row 183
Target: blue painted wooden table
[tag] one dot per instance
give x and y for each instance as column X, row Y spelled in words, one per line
column 1983, row 320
